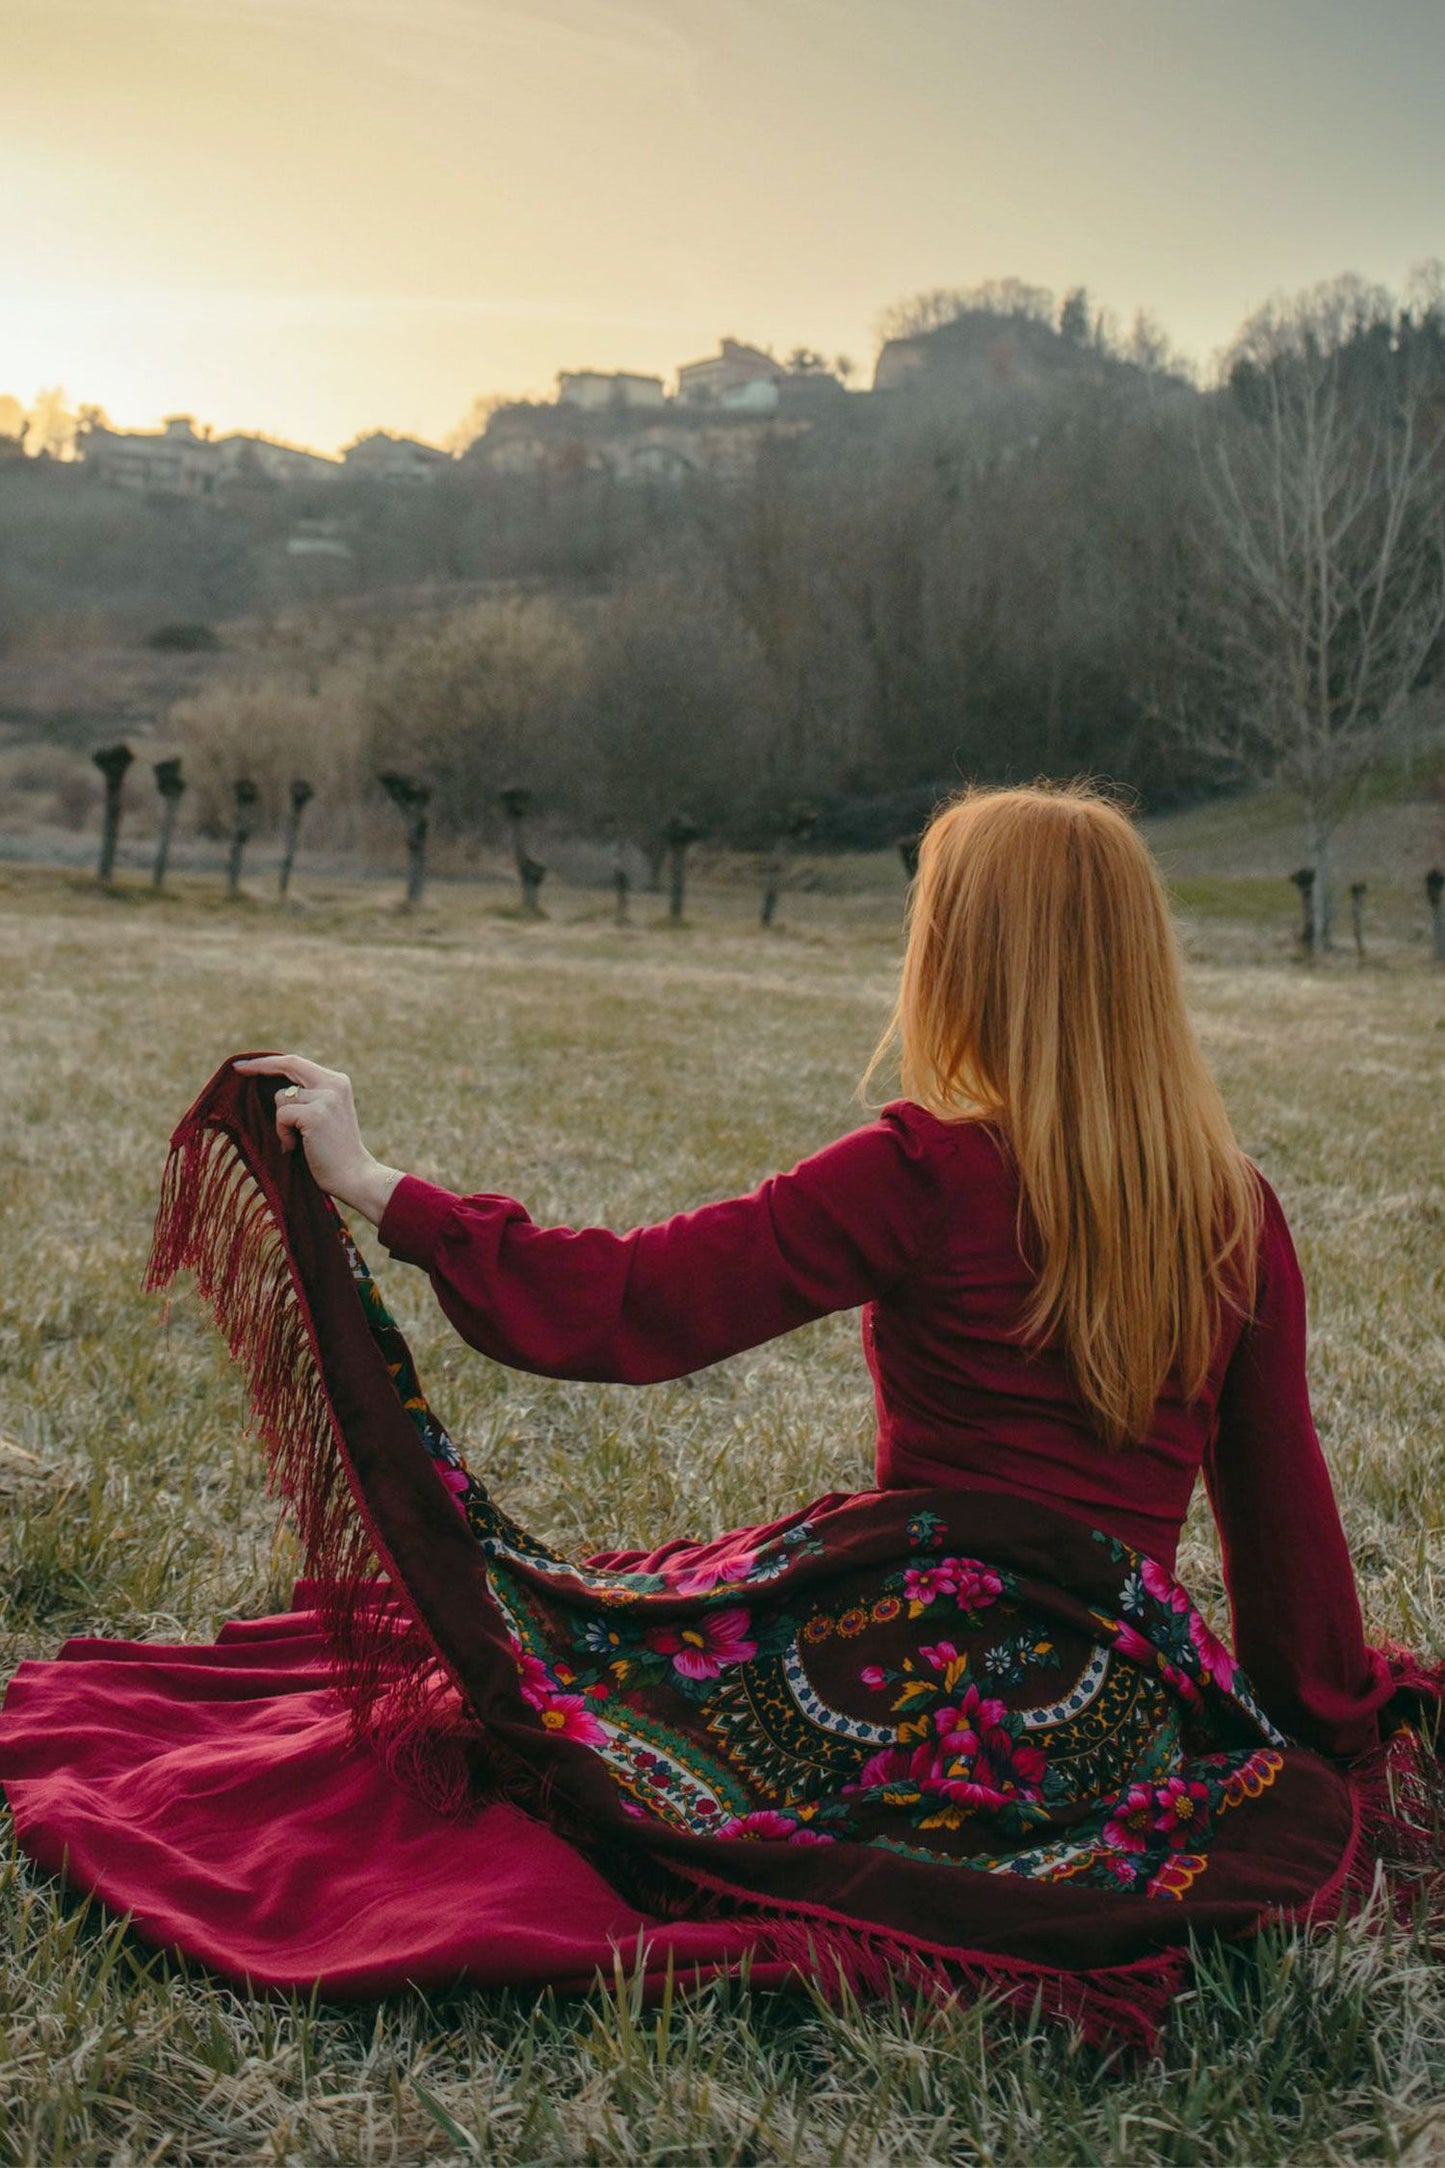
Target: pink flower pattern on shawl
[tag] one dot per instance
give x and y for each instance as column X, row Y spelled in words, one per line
column 1132, row 1823
column 973, row 1759
column 972, row 1585
column 700, row 1576
column 1215, row 1660
column 571, row 1716
column 1162, row 1586
column 1183, row 1812
column 767, row 1825
column 533, row 1676
column 702, row 1647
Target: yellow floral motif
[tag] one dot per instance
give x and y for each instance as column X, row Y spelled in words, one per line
column 1180, row 1871
column 1252, row 1777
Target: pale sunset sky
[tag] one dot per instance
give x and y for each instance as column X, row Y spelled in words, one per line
column 315, row 217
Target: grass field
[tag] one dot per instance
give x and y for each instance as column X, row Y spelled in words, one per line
column 616, row 1075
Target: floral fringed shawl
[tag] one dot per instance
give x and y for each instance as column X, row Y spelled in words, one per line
column 944, row 1735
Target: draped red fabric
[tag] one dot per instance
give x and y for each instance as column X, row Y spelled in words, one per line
column 217, row 1796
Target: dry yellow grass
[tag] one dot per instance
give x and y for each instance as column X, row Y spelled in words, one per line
column 614, row 1076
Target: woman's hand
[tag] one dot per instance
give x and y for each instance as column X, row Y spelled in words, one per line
column 316, row 1106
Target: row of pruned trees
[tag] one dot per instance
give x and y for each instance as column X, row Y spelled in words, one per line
column 412, row 799
column 115, row 763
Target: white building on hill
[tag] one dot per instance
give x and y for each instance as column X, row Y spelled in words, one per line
column 605, row 391
column 726, row 378
column 244, row 456
column 382, row 457
column 176, row 460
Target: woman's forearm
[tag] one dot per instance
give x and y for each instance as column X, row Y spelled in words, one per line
column 368, row 1190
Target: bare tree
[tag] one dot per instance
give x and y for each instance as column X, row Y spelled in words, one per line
column 51, row 426
column 473, row 423
column 1076, row 316
column 920, row 313
column 1323, row 582
column 1149, row 347
column 945, row 304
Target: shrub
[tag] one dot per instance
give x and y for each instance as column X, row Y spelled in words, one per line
column 269, row 731
column 189, row 639
column 480, row 701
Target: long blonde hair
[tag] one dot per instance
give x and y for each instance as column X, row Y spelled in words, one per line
column 1042, row 991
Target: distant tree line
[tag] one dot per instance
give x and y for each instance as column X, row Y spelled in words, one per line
column 1101, row 570
column 1078, row 561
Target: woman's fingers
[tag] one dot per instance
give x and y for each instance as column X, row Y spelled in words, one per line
column 294, row 1066
column 326, row 1112
column 317, row 1109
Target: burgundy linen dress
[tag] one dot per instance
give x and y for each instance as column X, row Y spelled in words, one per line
column 226, row 1798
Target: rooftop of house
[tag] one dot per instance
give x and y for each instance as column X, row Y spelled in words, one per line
column 738, row 352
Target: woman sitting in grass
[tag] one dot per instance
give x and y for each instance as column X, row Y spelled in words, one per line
column 965, row 1727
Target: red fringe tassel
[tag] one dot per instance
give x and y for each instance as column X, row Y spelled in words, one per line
column 217, row 1219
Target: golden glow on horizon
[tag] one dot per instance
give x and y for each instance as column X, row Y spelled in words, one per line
column 319, row 216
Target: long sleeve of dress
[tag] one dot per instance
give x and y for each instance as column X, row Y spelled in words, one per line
column 842, row 1227
column 1297, row 1628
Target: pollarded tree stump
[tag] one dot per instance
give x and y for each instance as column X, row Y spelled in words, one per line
column 1303, row 878
column 798, row 825
column 411, row 800
column 516, row 801
column 113, row 762
column 171, row 785
column 301, row 797
column 681, row 831
column 1357, row 917
column 244, row 827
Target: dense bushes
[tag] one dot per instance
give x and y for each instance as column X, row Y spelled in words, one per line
column 270, row 730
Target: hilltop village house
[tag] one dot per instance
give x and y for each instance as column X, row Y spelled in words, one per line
column 381, row 457
column 597, row 392
column 736, row 376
